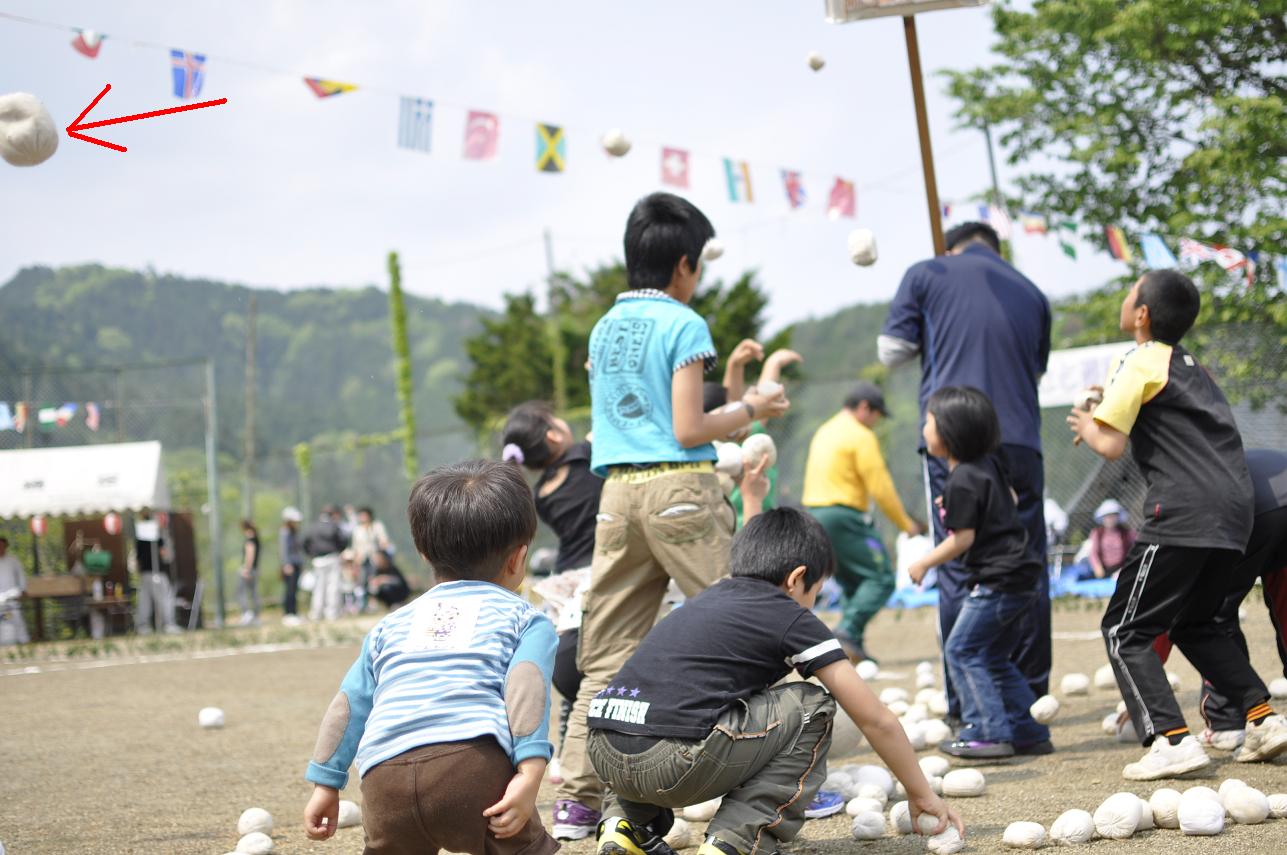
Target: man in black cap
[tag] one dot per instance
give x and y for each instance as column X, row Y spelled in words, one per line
column 974, row 320
column 845, row 472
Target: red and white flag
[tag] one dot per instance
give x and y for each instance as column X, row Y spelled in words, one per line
column 92, row 416
column 843, row 201
column 1229, row 258
column 1193, row 253
column 482, row 133
column 88, row 43
column 674, row 168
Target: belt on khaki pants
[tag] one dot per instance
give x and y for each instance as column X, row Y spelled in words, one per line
column 641, row 474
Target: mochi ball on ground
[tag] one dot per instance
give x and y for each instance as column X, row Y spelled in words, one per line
column 1278, row 687
column 1075, row 684
column 862, row 805
column 1118, row 816
column 935, row 730
column 900, row 818
column 947, row 843
column 963, row 783
column 935, row 766
column 255, row 819
column 1201, row 816
column 1105, row 678
column 1146, row 816
column 1165, row 804
column 893, row 694
column 1044, row 709
column 1073, row 826
column 1247, row 805
column 876, row 775
column 839, row 782
column 875, row 792
column 255, row 843
column 846, row 738
column 680, row 835
column 1024, row 835
column 1278, row 805
column 350, row 814
column 868, row 825
column 924, row 681
column 210, row 717
column 867, row 669
column 1227, row 786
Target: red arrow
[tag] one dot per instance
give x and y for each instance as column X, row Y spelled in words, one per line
column 75, row 128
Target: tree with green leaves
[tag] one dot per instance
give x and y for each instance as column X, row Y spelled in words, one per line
column 1162, row 116
column 511, row 360
column 402, row 355
column 1165, row 116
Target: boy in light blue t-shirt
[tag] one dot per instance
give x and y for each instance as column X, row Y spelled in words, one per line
column 662, row 514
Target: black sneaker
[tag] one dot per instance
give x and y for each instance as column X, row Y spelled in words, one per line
column 1034, row 749
column 976, row 749
column 619, row 836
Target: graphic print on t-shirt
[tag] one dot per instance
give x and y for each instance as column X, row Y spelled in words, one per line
column 622, row 357
column 443, row 625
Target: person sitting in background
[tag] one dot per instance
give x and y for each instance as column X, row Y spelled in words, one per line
column 13, row 630
column 1109, row 542
column 387, row 584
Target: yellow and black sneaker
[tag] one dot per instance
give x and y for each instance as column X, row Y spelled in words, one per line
column 618, row 836
column 715, row 846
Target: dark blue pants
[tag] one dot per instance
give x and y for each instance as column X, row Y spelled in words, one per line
column 994, row 693
column 1032, row 655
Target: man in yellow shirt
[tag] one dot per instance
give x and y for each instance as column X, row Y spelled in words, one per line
column 845, row 471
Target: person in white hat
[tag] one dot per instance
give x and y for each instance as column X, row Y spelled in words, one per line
column 1110, row 539
column 292, row 561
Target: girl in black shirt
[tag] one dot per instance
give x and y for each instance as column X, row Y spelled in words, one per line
column 980, row 514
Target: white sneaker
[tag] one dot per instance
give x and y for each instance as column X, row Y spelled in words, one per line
column 1223, row 740
column 292, row 620
column 247, row 618
column 1264, row 741
column 1165, row 760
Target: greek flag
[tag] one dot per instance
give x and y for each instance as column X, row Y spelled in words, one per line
column 415, row 123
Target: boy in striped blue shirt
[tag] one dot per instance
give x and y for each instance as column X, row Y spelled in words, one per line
column 446, row 710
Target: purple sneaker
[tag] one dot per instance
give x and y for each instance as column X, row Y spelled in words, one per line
column 976, row 749
column 824, row 804
column 574, row 821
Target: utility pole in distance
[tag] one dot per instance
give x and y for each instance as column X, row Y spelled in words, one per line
column 248, row 447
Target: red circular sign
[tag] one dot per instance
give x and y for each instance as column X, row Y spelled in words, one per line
column 39, row 525
column 112, row 523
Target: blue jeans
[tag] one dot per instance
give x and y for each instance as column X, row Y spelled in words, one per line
column 994, row 693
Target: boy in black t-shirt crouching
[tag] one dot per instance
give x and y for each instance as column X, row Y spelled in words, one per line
column 694, row 714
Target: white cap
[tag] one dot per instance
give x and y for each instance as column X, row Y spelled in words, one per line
column 1106, row 507
column 292, row 514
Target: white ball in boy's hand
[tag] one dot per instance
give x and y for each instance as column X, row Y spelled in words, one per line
column 900, row 818
column 1088, row 398
column 770, row 388
column 210, row 717
column 758, row 447
column 255, row 819
column 350, row 814
column 868, row 825
column 947, row 843
column 729, row 459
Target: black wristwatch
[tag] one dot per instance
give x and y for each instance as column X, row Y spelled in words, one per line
column 750, row 409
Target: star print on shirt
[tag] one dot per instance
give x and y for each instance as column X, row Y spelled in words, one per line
column 634, row 693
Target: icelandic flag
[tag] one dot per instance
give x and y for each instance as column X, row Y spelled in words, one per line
column 794, row 183
column 1156, row 254
column 415, row 123
column 188, row 72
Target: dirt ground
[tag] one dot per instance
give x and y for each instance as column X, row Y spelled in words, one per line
column 106, row 755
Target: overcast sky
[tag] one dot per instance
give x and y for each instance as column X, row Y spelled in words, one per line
column 281, row 189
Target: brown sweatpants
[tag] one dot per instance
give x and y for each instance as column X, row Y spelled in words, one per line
column 433, row 798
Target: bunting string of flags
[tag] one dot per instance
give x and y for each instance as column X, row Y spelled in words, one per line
column 188, row 70
column 48, row 417
column 1154, row 251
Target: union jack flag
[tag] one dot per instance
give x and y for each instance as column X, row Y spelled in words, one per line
column 189, row 72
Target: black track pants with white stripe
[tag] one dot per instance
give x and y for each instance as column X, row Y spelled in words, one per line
column 1176, row 590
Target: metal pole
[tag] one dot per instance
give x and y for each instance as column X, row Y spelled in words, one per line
column 996, row 185
column 248, row 447
column 120, row 406
column 557, row 358
column 212, row 491
column 922, row 127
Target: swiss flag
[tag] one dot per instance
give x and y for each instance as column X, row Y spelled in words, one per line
column 88, row 43
column 674, row 168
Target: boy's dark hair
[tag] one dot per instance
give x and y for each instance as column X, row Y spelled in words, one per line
column 1173, row 302
column 662, row 229
column 774, row 543
column 466, row 518
column 714, row 396
column 966, row 422
column 526, row 427
column 966, row 232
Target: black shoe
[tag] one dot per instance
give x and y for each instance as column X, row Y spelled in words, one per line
column 1034, row 749
column 973, row 749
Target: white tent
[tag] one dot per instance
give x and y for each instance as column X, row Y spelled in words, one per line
column 82, row 479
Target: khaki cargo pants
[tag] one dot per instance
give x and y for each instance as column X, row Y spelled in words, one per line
column 654, row 525
column 766, row 756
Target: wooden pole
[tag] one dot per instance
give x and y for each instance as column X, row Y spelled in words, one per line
column 248, row 438
column 922, row 126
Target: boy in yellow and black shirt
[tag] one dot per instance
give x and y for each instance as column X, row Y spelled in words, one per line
column 1197, row 518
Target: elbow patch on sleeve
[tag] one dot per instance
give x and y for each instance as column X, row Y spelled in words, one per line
column 334, row 723
column 525, row 695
